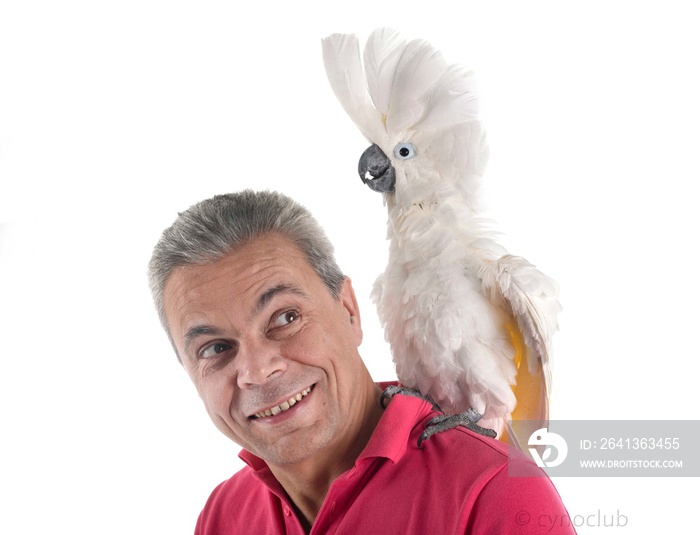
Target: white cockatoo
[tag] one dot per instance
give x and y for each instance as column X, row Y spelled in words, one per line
column 469, row 325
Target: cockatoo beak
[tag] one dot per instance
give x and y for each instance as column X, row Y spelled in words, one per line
column 376, row 171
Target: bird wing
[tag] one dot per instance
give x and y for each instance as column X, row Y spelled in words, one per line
column 531, row 297
column 533, row 300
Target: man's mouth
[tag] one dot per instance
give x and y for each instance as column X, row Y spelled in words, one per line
column 285, row 405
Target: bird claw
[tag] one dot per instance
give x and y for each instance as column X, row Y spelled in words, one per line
column 392, row 390
column 466, row 419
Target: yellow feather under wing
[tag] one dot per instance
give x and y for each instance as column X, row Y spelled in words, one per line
column 530, row 389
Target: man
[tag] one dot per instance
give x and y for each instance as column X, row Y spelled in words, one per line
column 268, row 329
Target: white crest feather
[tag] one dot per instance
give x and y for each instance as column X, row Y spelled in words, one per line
column 449, row 100
column 419, row 66
column 382, row 55
column 341, row 56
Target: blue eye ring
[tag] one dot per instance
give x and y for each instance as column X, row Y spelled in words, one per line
column 404, row 151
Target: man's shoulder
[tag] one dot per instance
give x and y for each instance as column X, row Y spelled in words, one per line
column 484, row 453
column 480, row 459
column 470, row 477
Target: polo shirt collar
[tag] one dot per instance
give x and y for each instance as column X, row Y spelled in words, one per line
column 392, row 434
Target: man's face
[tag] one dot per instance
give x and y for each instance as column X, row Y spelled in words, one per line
column 259, row 334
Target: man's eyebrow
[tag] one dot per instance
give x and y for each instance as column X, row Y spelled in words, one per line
column 267, row 296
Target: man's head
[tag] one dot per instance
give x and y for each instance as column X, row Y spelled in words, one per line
column 268, row 336
column 209, row 230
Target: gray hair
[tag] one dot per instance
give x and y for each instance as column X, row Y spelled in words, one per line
column 212, row 228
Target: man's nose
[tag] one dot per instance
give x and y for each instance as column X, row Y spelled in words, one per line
column 258, row 363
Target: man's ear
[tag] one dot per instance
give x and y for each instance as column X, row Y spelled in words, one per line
column 347, row 297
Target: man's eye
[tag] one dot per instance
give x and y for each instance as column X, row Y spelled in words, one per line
column 285, row 318
column 212, row 350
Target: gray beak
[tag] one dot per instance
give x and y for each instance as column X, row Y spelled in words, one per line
column 376, row 171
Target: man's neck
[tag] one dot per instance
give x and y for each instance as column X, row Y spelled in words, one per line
column 307, row 483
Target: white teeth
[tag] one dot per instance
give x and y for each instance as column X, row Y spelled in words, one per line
column 284, row 406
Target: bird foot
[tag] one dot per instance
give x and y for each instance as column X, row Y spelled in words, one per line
column 392, row 390
column 466, row 419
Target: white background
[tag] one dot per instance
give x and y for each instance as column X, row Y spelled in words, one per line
column 115, row 115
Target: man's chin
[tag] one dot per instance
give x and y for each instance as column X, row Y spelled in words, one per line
column 300, row 446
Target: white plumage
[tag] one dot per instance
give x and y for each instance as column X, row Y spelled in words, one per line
column 450, row 293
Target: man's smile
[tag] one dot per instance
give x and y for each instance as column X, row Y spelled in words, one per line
column 283, row 406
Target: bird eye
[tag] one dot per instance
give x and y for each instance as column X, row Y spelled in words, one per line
column 404, row 151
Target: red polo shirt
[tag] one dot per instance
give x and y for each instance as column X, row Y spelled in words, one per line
column 458, row 483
